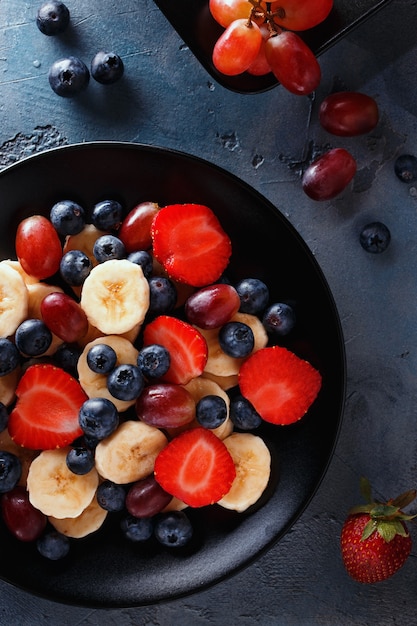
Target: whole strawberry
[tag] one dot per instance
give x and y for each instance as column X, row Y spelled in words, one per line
column 375, row 541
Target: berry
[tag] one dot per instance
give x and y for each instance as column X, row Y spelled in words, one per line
column 195, row 467
column 243, row 415
column 75, row 266
column 52, row 17
column 165, row 405
column 173, row 530
column 162, row 295
column 38, row 247
column 236, row 339
column 329, row 174
column 98, row 418
column 125, row 382
column 253, row 294
column 10, row 471
column 46, row 413
column 287, row 392
column 101, row 358
column 33, row 337
column 212, row 306
column 9, row 356
column 405, row 168
column 279, row 319
column 110, row 496
column 375, row 237
column 53, row 545
column 146, row 498
column 4, row 416
column 107, row 215
column 67, row 217
column 106, row 67
column 154, row 361
column 108, row 247
column 144, row 259
column 211, row 411
column 68, row 77
column 137, row 529
column 190, row 243
column 64, row 317
column 348, row 113
column 22, row 519
column 80, row 460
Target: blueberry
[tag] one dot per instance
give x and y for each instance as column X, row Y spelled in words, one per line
column 74, row 267
column 4, row 417
column 211, row 411
column 106, row 67
column 33, row 337
column 107, row 215
column 162, row 295
column 67, row 356
column 243, row 414
column 154, row 361
column 236, row 339
column 10, row 471
column 173, row 529
column 111, row 496
column 125, row 382
column 405, row 167
column 253, row 294
column 53, row 545
column 52, row 18
column 279, row 319
column 68, row 77
column 101, row 358
column 108, row 247
column 98, row 418
column 137, row 528
column 375, row 237
column 80, row 460
column 9, row 356
column 67, row 217
column 144, row 259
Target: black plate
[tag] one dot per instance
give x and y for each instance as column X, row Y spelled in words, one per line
column 105, row 570
column 195, row 25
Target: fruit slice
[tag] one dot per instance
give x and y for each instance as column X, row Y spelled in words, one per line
column 13, row 300
column 189, row 241
column 252, row 461
column 129, row 453
column 90, row 520
column 196, row 468
column 46, row 412
column 55, row 490
column 279, row 384
column 115, row 296
column 185, row 344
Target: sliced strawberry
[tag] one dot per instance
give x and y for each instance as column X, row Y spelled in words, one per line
column 190, row 243
column 195, row 467
column 186, row 346
column 46, row 412
column 279, row 384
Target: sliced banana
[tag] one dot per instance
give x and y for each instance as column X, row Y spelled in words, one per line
column 90, row 520
column 115, row 296
column 25, row 455
column 252, row 461
column 129, row 453
column 37, row 292
column 175, row 505
column 225, row 382
column 95, row 385
column 16, row 265
column 55, row 490
column 94, row 333
column 8, row 386
column 13, row 300
column 84, row 241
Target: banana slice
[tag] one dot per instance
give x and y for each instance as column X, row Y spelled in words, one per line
column 8, row 386
column 225, row 382
column 95, row 385
column 37, row 292
column 16, row 265
column 253, row 467
column 13, row 300
column 115, row 296
column 175, row 505
column 90, row 520
column 84, row 241
column 26, row 456
column 129, row 453
column 221, row 364
column 55, row 490
column 94, row 333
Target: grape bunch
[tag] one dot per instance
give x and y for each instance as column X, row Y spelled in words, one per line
column 261, row 37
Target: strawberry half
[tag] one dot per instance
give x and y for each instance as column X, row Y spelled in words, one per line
column 195, row 467
column 46, row 411
column 190, row 243
column 280, row 385
column 186, row 346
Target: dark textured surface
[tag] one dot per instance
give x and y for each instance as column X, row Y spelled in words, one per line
column 167, row 98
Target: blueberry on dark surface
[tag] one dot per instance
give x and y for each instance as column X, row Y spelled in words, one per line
column 107, row 215
column 137, row 529
column 253, row 294
column 211, row 411
column 125, row 382
column 74, row 267
column 108, row 247
column 236, row 339
column 173, row 529
column 67, row 217
column 243, row 414
column 80, row 460
column 66, row 357
column 33, row 337
column 111, row 496
column 279, row 319
column 162, row 295
column 101, row 358
column 9, row 356
column 4, row 416
column 106, row 67
column 405, row 167
column 154, row 361
column 68, row 77
column 52, row 18
column 375, row 237
column 98, row 418
column 53, row 545
column 144, row 259
column 10, row 471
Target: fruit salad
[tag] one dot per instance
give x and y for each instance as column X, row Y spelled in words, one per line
column 134, row 376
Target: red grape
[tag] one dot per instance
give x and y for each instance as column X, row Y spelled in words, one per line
column 38, row 247
column 212, row 306
column 348, row 113
column 237, row 47
column 260, row 65
column 146, row 498
column 135, row 231
column 22, row 519
column 64, row 317
column 165, row 406
column 301, row 14
column 227, row 11
column 328, row 175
